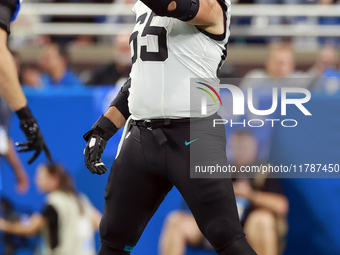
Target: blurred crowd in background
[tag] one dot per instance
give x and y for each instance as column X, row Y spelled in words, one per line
column 54, row 69
column 57, row 59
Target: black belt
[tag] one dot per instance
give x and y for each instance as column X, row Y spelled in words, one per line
column 158, row 123
column 154, row 125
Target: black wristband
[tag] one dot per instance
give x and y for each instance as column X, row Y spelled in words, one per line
column 103, row 127
column 25, row 113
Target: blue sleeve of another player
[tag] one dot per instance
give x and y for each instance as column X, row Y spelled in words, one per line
column 15, row 14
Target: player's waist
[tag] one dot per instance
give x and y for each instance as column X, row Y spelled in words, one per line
column 166, row 122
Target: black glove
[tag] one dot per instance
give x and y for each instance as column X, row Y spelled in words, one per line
column 35, row 140
column 96, row 139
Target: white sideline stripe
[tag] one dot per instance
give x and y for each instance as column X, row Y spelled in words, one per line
column 125, row 10
column 114, row 29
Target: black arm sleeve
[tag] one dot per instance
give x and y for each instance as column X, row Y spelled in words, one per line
column 121, row 100
column 51, row 216
column 185, row 9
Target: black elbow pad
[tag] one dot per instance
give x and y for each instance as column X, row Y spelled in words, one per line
column 185, row 9
column 121, row 100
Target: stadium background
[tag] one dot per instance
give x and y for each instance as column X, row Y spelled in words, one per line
column 65, row 114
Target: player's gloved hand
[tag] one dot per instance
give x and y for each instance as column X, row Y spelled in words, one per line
column 96, row 139
column 35, row 139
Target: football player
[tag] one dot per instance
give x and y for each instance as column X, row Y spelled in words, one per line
column 10, row 89
column 172, row 42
